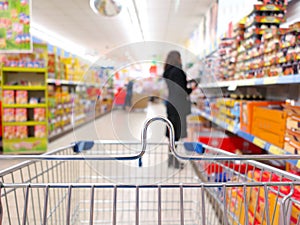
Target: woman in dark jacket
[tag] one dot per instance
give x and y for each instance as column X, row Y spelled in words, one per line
column 178, row 105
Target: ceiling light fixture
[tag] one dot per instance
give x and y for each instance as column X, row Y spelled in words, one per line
column 142, row 15
column 61, row 42
column 130, row 22
column 108, row 8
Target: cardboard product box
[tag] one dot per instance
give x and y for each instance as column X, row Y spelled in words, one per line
column 8, row 97
column 292, row 147
column 39, row 114
column 293, row 123
column 9, row 132
column 292, row 134
column 21, row 97
column 246, row 113
column 230, row 143
column 21, row 114
column 40, row 131
column 295, row 212
column 269, row 125
column 292, row 110
column 8, row 115
column 21, row 132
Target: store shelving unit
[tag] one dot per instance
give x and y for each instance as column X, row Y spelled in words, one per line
column 251, row 138
column 290, row 79
column 24, row 120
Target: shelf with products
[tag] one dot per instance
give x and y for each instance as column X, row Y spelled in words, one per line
column 249, row 137
column 24, row 110
column 265, row 48
column 67, row 82
column 290, row 79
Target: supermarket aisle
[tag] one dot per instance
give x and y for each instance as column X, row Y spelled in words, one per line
column 116, row 125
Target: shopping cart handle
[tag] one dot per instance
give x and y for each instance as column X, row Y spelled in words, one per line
column 194, row 146
column 83, row 145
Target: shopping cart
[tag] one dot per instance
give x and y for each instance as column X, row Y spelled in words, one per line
column 107, row 182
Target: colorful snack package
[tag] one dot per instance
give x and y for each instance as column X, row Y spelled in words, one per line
column 21, row 132
column 8, row 97
column 8, row 115
column 21, row 97
column 40, row 131
column 39, row 114
column 9, row 132
column 21, row 115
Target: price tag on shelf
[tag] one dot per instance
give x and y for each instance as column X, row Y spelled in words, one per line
column 230, row 128
column 260, row 143
column 270, row 80
column 232, row 87
column 57, row 82
column 298, row 164
column 275, row 150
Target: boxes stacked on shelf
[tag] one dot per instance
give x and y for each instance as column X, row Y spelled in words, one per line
column 229, row 111
column 238, row 33
column 292, row 136
column 60, row 110
column 51, row 66
column 36, row 59
column 261, row 40
column 226, row 66
column 269, row 124
column 247, row 110
column 73, row 69
column 255, row 200
column 289, row 54
column 24, row 95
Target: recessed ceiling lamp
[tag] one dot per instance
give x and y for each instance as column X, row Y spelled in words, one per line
column 107, row 8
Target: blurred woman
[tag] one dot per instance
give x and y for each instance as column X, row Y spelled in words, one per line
column 178, row 104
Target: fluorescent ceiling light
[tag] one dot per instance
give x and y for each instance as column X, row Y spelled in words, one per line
column 61, row 42
column 131, row 21
column 143, row 18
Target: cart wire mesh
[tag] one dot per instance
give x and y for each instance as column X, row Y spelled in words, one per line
column 108, row 182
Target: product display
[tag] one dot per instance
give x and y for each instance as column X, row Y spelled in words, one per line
column 23, row 108
column 260, row 48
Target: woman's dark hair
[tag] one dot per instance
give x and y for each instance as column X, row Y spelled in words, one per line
column 173, row 59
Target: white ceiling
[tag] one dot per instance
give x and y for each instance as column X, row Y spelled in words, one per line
column 75, row 21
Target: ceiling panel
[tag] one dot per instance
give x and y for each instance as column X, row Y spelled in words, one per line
column 74, row 20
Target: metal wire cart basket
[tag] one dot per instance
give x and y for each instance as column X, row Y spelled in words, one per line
column 107, row 182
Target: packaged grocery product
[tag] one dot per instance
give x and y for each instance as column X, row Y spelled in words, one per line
column 21, row 132
column 8, row 115
column 21, row 115
column 40, row 131
column 21, row 97
column 9, row 132
column 295, row 212
column 39, row 114
column 8, row 97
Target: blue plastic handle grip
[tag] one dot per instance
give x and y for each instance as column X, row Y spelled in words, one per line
column 194, row 146
column 83, row 145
